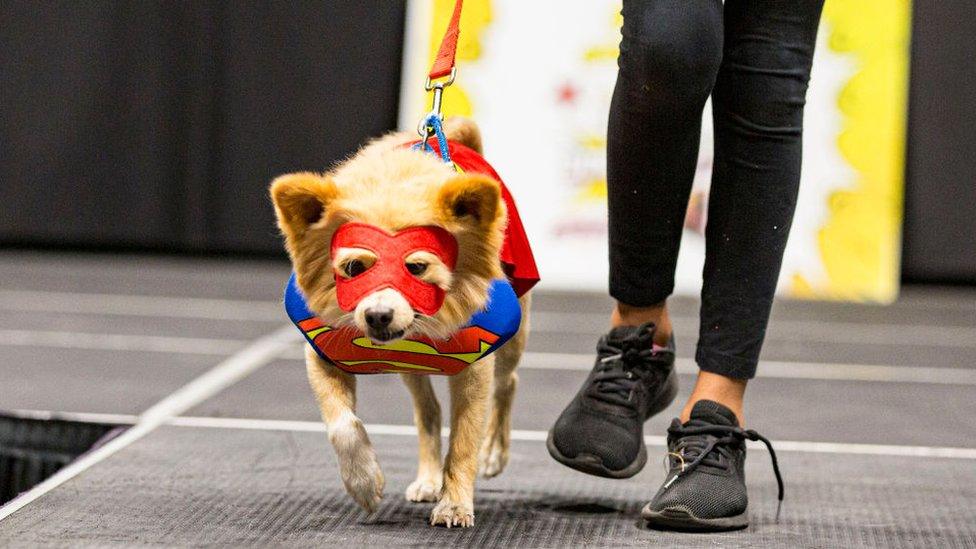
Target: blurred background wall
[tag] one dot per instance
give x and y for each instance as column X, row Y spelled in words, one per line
column 940, row 191
column 158, row 125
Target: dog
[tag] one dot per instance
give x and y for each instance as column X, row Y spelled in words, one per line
column 394, row 187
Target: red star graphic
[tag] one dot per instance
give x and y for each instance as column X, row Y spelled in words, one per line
column 566, row 94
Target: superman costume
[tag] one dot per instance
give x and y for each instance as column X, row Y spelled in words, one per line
column 349, row 349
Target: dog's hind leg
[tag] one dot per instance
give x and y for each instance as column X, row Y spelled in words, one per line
column 427, row 416
column 335, row 391
column 494, row 451
column 469, row 402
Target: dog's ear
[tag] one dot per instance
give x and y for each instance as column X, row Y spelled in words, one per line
column 464, row 131
column 473, row 199
column 301, row 199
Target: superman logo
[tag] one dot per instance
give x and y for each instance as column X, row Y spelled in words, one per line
column 352, row 351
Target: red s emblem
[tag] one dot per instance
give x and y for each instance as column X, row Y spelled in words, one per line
column 390, row 269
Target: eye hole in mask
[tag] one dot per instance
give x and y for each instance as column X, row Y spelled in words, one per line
column 416, row 268
column 428, row 268
column 352, row 262
column 354, row 268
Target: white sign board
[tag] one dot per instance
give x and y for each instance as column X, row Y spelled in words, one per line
column 537, row 77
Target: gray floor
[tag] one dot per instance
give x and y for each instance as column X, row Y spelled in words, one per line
column 860, row 399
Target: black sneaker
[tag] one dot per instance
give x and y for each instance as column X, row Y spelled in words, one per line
column 705, row 489
column 601, row 432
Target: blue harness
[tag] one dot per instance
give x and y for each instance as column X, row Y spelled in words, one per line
column 349, row 349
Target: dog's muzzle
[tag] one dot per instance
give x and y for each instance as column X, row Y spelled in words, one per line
column 390, row 268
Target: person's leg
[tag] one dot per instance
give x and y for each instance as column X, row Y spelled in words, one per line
column 757, row 105
column 669, row 57
column 758, row 110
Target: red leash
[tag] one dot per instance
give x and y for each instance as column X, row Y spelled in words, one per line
column 443, row 66
column 444, row 62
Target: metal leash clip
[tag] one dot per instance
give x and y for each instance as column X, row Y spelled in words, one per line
column 424, row 129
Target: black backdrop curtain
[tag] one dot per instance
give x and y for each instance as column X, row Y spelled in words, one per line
column 159, row 124
column 940, row 197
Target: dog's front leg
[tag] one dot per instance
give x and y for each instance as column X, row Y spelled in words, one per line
column 427, row 416
column 335, row 391
column 498, row 440
column 469, row 400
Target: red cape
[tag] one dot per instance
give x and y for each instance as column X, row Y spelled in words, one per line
column 516, row 256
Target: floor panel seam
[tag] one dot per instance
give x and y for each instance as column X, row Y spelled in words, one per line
column 258, row 353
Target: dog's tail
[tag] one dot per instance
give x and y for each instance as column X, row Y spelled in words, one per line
column 464, row 131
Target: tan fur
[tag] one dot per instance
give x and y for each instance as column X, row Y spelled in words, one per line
column 344, row 256
column 464, row 131
column 393, row 187
column 494, row 450
column 335, row 391
column 427, row 417
column 469, row 403
column 437, row 272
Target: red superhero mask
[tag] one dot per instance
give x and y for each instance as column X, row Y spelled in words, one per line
column 390, row 268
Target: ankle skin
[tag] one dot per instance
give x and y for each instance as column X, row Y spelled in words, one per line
column 725, row 390
column 627, row 315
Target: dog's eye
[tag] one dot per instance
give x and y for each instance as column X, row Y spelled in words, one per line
column 354, row 268
column 416, row 269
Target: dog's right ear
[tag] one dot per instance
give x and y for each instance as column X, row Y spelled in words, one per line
column 471, row 199
column 300, row 200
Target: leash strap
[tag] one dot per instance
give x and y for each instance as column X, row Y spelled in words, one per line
column 431, row 124
column 444, row 62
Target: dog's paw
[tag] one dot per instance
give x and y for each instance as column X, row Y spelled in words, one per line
column 493, row 457
column 424, row 489
column 358, row 468
column 451, row 513
column 365, row 484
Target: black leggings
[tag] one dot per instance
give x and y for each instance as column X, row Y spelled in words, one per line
column 753, row 57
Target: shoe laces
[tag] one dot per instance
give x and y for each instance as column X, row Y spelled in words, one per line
column 622, row 364
column 713, row 445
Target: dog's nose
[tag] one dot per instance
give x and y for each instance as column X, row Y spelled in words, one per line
column 379, row 318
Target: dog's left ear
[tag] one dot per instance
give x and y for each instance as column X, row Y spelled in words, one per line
column 473, row 199
column 300, row 200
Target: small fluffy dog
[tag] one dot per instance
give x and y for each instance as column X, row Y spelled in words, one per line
column 393, row 187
